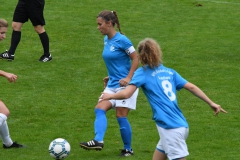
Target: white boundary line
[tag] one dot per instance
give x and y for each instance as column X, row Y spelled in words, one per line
column 221, row 2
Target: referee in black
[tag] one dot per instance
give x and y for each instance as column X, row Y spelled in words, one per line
column 25, row 10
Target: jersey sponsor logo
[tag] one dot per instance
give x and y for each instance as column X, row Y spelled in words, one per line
column 112, row 48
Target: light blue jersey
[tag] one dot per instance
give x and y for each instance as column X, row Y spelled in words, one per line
column 160, row 86
column 116, row 57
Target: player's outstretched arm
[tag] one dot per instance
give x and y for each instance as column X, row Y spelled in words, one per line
column 200, row 94
column 11, row 77
column 123, row 94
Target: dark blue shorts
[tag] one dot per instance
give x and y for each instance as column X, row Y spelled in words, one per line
column 30, row 9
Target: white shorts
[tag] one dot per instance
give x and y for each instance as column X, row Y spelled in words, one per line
column 128, row 103
column 173, row 142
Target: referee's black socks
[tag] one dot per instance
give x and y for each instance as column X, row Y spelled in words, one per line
column 16, row 37
column 45, row 42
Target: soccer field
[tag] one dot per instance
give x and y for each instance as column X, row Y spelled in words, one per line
column 199, row 39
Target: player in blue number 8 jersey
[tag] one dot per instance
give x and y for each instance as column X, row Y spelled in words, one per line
column 159, row 85
column 121, row 61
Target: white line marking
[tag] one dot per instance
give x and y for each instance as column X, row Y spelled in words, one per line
column 221, row 2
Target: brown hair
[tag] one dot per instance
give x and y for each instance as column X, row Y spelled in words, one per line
column 3, row 23
column 149, row 53
column 110, row 16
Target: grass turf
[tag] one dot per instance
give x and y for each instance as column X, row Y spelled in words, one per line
column 199, row 39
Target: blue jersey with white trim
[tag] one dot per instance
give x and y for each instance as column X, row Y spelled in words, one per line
column 116, row 57
column 160, row 86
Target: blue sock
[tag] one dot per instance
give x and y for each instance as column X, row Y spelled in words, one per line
column 100, row 124
column 126, row 132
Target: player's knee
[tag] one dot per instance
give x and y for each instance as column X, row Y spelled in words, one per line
column 6, row 112
column 39, row 29
column 16, row 26
column 3, row 109
column 121, row 112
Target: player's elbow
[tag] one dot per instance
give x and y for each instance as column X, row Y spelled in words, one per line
column 190, row 86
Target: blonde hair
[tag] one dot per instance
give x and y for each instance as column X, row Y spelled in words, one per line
column 150, row 53
column 110, row 16
column 3, row 23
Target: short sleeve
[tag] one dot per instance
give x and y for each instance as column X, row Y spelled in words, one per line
column 179, row 81
column 127, row 45
column 138, row 78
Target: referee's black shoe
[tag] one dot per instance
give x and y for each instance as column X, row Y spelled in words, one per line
column 45, row 58
column 92, row 145
column 7, row 55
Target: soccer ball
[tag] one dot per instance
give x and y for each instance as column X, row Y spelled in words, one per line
column 59, row 148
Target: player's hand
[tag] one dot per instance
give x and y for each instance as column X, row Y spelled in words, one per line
column 105, row 96
column 124, row 82
column 105, row 81
column 11, row 77
column 217, row 108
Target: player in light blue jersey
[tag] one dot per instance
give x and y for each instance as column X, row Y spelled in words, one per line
column 160, row 85
column 121, row 61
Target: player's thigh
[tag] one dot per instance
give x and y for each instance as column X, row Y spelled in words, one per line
column 106, row 104
column 158, row 155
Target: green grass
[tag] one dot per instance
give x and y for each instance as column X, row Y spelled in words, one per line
column 57, row 99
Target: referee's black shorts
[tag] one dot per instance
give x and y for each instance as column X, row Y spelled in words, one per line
column 30, row 9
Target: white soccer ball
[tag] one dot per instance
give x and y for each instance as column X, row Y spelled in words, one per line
column 59, row 148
